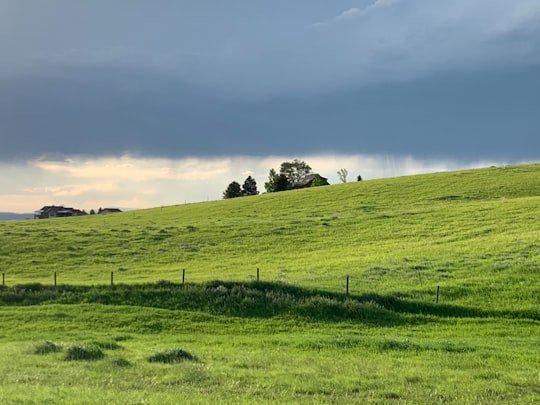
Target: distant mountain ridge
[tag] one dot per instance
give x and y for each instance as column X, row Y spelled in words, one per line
column 7, row 216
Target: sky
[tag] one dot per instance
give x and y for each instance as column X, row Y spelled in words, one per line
column 139, row 104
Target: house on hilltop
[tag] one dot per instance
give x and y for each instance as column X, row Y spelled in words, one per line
column 310, row 180
column 108, row 210
column 57, row 211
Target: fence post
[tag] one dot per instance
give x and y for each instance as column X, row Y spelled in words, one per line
column 183, row 275
column 55, row 278
column 347, row 286
column 3, row 279
column 437, row 299
column 257, row 274
column 112, row 277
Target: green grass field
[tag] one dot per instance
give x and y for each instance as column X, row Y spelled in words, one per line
column 294, row 336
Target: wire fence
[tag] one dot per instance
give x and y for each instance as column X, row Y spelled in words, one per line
column 256, row 278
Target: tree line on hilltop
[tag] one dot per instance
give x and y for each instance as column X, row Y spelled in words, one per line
column 295, row 174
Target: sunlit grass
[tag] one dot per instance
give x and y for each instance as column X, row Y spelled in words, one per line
column 270, row 360
column 294, row 336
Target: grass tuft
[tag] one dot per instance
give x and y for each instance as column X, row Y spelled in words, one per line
column 47, row 347
column 83, row 352
column 120, row 362
column 170, row 356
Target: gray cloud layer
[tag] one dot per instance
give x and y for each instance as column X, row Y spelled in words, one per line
column 421, row 77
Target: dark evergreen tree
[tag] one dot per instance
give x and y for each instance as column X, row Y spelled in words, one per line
column 277, row 182
column 282, row 183
column 250, row 187
column 233, row 190
column 270, row 185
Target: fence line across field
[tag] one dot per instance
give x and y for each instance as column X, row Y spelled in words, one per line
column 347, row 281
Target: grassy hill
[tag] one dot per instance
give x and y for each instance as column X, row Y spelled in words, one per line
column 295, row 336
column 466, row 230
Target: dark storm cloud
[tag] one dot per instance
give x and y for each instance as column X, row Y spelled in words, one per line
column 109, row 112
column 426, row 78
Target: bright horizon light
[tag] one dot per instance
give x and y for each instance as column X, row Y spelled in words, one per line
column 129, row 182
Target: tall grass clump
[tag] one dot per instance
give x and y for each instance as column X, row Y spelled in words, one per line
column 47, row 347
column 170, row 356
column 83, row 352
column 120, row 362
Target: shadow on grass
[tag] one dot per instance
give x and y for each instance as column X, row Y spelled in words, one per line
column 252, row 299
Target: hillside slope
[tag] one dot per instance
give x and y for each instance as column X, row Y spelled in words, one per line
column 463, row 231
column 295, row 336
